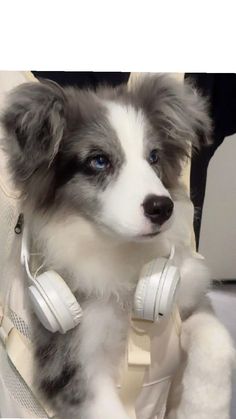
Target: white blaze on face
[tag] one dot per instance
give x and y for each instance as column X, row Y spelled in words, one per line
column 123, row 199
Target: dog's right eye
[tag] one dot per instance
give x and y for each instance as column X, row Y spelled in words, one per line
column 153, row 157
column 99, row 163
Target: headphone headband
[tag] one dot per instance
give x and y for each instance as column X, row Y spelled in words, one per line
column 25, row 254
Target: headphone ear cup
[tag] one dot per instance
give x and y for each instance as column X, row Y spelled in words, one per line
column 139, row 298
column 146, row 293
column 42, row 310
column 169, row 290
column 54, row 303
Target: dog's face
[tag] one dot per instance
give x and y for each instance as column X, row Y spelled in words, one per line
column 113, row 157
column 126, row 170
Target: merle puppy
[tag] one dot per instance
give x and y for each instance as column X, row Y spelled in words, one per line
column 100, row 175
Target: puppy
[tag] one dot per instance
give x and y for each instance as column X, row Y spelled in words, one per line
column 99, row 172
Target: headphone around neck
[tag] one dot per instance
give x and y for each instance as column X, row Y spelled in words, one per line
column 58, row 310
column 156, row 290
column 52, row 300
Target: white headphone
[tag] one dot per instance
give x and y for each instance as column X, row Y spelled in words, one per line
column 156, row 291
column 53, row 302
column 58, row 310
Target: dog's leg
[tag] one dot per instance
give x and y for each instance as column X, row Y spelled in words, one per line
column 202, row 388
column 106, row 403
column 103, row 339
column 78, row 371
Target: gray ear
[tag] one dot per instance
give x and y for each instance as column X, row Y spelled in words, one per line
column 34, row 122
column 176, row 109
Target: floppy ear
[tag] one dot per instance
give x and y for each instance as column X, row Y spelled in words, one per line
column 176, row 109
column 34, row 122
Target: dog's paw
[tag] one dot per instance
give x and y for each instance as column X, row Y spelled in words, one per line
column 105, row 411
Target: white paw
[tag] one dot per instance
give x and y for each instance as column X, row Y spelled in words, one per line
column 105, row 408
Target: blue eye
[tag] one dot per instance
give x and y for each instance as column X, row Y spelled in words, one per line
column 153, row 157
column 99, row 163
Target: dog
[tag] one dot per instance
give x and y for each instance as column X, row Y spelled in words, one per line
column 100, row 176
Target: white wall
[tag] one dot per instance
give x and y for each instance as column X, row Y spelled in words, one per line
column 218, row 230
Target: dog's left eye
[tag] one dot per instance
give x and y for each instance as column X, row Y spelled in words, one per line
column 153, row 157
column 99, row 163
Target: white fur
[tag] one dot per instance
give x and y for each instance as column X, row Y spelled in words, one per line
column 129, row 125
column 102, row 372
column 97, row 263
column 122, row 201
column 202, row 387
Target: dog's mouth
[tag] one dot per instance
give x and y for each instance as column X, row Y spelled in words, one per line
column 149, row 235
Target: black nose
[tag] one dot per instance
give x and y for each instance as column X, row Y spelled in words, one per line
column 158, row 208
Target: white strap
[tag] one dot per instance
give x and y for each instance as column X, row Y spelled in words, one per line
column 138, row 359
column 19, row 351
column 5, row 327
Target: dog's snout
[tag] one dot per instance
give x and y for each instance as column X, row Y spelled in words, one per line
column 158, row 208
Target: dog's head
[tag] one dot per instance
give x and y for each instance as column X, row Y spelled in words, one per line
column 113, row 157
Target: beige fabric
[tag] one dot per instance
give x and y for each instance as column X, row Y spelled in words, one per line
column 137, row 360
column 153, row 356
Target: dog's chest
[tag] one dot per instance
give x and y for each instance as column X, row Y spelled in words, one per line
column 95, row 265
column 115, row 270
